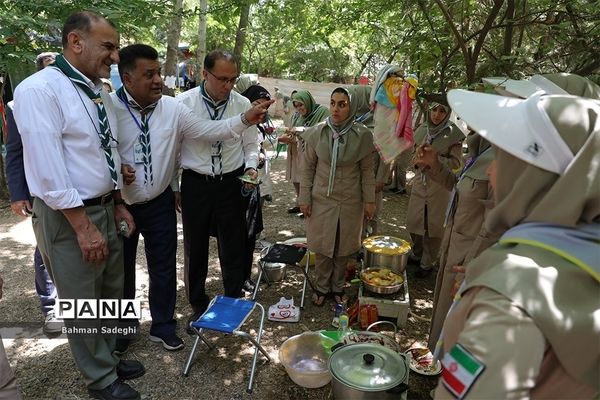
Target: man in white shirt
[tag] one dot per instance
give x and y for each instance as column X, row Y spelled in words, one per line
column 151, row 128
column 71, row 166
column 21, row 201
column 211, row 193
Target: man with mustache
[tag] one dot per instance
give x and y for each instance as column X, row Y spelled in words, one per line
column 71, row 166
column 151, row 128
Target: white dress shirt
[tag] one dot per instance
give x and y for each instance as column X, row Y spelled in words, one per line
column 170, row 122
column 196, row 155
column 64, row 161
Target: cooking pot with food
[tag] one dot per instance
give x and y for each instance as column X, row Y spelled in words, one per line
column 381, row 280
column 386, row 251
column 368, row 371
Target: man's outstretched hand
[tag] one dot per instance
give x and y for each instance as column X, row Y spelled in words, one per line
column 258, row 112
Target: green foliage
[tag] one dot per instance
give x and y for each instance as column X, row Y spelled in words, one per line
column 342, row 39
column 30, row 27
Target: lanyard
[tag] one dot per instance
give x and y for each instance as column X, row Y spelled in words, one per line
column 138, row 123
column 363, row 117
column 216, row 116
column 451, row 208
column 470, row 163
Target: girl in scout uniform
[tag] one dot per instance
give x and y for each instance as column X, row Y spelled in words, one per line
column 337, row 187
column 428, row 199
column 526, row 324
column 308, row 113
column 464, row 234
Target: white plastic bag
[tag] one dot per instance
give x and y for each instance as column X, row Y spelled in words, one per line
column 284, row 311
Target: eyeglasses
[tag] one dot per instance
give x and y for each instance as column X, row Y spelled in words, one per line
column 224, row 81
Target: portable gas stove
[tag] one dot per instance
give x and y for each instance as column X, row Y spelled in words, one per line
column 395, row 305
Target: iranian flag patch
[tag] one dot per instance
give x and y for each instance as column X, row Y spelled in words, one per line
column 460, row 370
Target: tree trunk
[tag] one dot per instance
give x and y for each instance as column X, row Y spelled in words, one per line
column 173, row 34
column 240, row 35
column 201, row 52
column 508, row 31
column 3, row 184
column 523, row 5
column 363, row 65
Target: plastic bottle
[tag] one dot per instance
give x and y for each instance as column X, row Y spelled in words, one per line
column 336, row 316
column 343, row 326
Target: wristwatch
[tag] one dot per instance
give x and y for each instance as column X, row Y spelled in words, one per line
column 245, row 120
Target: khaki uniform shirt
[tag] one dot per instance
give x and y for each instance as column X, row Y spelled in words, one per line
column 527, row 315
column 428, row 194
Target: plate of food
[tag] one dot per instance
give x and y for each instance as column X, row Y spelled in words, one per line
column 370, row 337
column 420, row 360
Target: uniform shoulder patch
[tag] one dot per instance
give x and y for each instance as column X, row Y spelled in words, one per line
column 460, row 370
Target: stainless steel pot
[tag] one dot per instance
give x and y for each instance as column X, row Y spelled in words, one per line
column 275, row 272
column 380, row 289
column 386, row 251
column 365, row 371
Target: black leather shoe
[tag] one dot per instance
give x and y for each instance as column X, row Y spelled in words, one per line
column 118, row 390
column 249, row 286
column 293, row 210
column 130, row 369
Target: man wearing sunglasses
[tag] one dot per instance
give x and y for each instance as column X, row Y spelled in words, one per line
column 212, row 202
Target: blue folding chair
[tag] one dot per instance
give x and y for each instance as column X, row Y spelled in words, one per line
column 227, row 315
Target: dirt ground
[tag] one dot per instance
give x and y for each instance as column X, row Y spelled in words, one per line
column 45, row 368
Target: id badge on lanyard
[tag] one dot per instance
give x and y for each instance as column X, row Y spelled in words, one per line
column 138, row 153
column 216, row 149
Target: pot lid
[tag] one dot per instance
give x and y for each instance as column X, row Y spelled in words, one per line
column 386, row 245
column 274, row 265
column 368, row 367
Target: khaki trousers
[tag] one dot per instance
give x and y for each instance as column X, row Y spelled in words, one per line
column 76, row 279
column 330, row 273
column 9, row 390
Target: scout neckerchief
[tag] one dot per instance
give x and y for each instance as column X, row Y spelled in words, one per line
column 215, row 110
column 144, row 126
column 104, row 133
column 337, row 135
column 451, row 208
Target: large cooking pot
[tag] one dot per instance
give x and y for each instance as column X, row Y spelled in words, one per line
column 386, row 251
column 367, row 371
column 275, row 272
